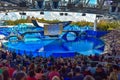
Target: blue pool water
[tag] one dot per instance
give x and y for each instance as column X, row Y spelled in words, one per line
column 47, row 47
column 36, row 44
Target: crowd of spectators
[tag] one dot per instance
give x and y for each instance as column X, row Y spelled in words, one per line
column 79, row 67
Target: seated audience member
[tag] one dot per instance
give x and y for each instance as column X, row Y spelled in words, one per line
column 20, row 76
column 79, row 67
column 53, row 73
column 55, row 78
column 100, row 73
column 39, row 74
column 31, row 75
column 88, row 77
column 115, row 74
column 6, row 75
column 15, row 71
column 78, row 75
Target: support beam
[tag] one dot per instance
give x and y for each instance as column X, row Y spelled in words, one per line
column 100, row 3
column 95, row 24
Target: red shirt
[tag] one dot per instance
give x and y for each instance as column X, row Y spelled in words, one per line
column 52, row 74
column 11, row 70
column 38, row 76
column 31, row 78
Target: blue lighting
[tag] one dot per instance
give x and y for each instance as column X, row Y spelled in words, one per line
column 93, row 2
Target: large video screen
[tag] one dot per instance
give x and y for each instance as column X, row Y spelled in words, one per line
column 53, row 29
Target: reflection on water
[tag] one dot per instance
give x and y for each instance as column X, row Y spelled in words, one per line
column 33, row 45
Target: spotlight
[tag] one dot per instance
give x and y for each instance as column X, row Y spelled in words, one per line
column 66, row 14
column 22, row 13
column 42, row 13
column 61, row 14
column 83, row 14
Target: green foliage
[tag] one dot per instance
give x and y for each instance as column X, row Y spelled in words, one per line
column 10, row 22
column 82, row 23
column 101, row 25
column 108, row 25
column 47, row 21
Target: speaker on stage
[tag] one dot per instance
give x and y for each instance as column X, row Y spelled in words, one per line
column 22, row 13
column 55, row 4
column 118, row 9
column 42, row 13
column 61, row 14
column 83, row 14
column 113, row 7
column 22, row 4
column 66, row 14
column 40, row 4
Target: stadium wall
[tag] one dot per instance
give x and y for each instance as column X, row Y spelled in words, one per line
column 49, row 15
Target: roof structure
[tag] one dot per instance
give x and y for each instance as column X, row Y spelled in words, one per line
column 84, row 6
